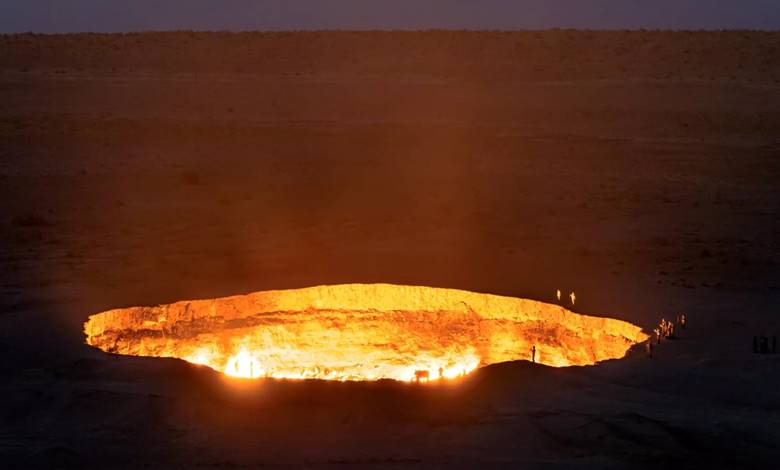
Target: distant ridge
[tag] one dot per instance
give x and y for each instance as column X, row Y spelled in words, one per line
column 56, row 16
column 751, row 57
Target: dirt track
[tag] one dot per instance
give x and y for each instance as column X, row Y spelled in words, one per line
column 639, row 170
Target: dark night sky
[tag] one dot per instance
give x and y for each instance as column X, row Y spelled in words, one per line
column 140, row 15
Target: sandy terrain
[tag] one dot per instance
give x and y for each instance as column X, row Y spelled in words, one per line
column 638, row 169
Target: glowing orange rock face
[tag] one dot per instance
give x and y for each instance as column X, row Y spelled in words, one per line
column 361, row 332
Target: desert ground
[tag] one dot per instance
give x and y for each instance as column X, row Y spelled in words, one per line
column 637, row 169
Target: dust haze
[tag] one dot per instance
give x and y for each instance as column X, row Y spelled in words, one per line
column 638, row 169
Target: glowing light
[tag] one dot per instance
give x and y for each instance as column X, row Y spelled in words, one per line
column 361, row 332
column 244, row 365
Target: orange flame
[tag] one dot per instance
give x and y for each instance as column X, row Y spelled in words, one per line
column 361, row 332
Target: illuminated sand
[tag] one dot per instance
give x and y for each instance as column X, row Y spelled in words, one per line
column 361, row 332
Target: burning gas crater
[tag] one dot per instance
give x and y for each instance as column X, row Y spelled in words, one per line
column 361, row 332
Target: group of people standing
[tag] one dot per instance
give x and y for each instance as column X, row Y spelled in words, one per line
column 572, row 297
column 765, row 345
column 667, row 329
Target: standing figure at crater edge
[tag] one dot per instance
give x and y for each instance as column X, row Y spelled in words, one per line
column 533, row 354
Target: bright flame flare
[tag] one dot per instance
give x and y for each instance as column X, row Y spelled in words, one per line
column 243, row 365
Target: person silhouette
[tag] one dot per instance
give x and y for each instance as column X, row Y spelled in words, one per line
column 533, row 354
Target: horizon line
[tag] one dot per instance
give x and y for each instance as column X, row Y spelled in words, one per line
column 392, row 30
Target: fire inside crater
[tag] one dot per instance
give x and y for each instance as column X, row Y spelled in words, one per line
column 361, row 332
